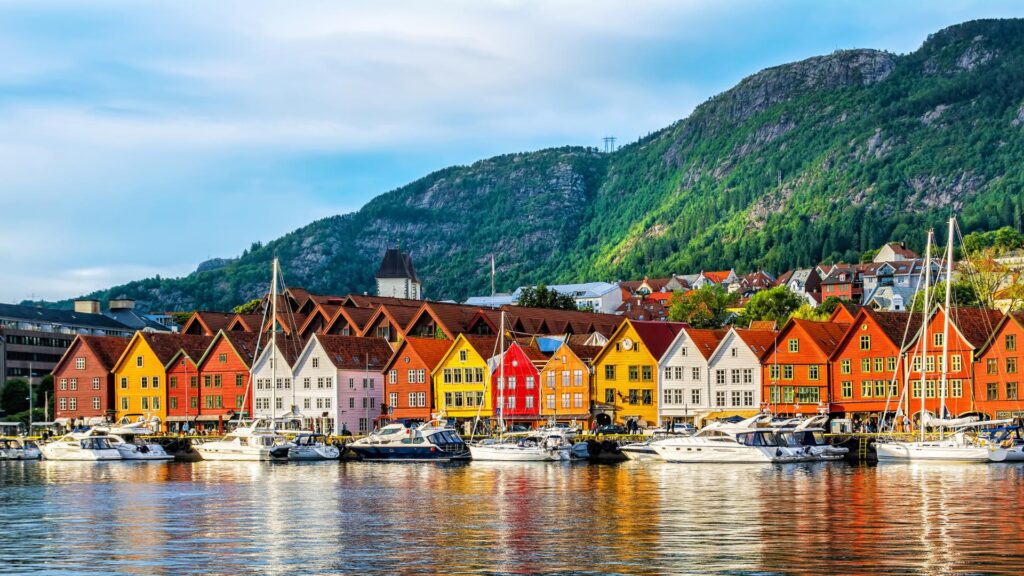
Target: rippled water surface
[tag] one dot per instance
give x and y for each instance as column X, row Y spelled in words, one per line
column 238, row 518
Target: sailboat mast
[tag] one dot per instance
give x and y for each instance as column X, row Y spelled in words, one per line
column 273, row 348
column 924, row 327
column 945, row 325
column 501, row 376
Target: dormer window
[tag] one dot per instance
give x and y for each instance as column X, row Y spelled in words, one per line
column 138, row 361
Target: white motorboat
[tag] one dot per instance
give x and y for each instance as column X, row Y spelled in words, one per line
column 306, row 447
column 397, row 441
column 958, row 447
column 720, row 444
column 81, row 447
column 645, row 450
column 251, row 443
column 126, row 437
column 534, row 447
column 15, row 449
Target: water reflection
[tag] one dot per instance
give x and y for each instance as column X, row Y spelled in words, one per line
column 225, row 517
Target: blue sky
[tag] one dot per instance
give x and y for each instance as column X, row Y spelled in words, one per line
column 142, row 138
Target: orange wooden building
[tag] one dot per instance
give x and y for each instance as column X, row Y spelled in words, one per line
column 408, row 387
column 224, row 376
column 795, row 370
column 183, row 382
column 997, row 370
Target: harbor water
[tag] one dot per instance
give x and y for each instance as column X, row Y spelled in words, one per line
column 635, row 517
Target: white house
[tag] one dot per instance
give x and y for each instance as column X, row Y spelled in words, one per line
column 735, row 371
column 267, row 392
column 683, row 385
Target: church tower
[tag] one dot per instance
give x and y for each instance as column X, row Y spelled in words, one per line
column 396, row 276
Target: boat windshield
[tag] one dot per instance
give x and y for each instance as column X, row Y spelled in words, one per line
column 95, row 444
column 758, row 438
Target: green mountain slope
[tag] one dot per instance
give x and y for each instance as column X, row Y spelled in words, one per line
column 812, row 161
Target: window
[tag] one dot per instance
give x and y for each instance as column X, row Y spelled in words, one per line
column 678, row 372
column 156, row 402
column 993, row 391
column 479, row 374
column 551, row 379
column 307, row 403
column 773, row 372
column 609, row 371
column 929, row 389
column 890, row 364
column 63, row 403
column 80, row 363
column 937, row 339
column 529, row 383
column 145, row 382
column 929, row 364
column 577, row 377
column 223, row 358
column 719, row 376
column 634, row 396
column 865, row 342
column 566, row 400
column 695, row 396
column 565, row 378
column 634, row 373
column 609, row 396
column 734, row 352
column 794, row 345
column 511, row 382
column 463, row 355
column 673, row 397
column 577, row 400
column 364, row 426
column 1011, row 390
column 316, row 362
column 393, row 399
column 447, row 397
column 63, row 383
column 865, row 365
column 668, row 373
column 880, row 388
column 217, row 380
column 648, row 373
column 720, row 398
column 511, row 401
column 145, row 402
column 1010, row 342
column 735, row 397
column 787, row 372
column 748, row 397
column 809, row 394
column 787, row 394
column 327, row 403
column 734, row 376
column 955, row 363
column 695, row 373
column 421, row 399
column 846, row 389
column 96, row 383
column 549, row 401
column 194, row 402
column 124, row 403
column 1011, row 365
column 172, row 382
column 647, row 397
column 529, row 402
column 193, row 382
column 207, row 381
column 73, row 403
column 138, row 361
column 844, row 366
column 156, row 382
column 95, row 402
column 915, row 389
column 992, row 366
column 866, row 389
column 916, row 364
column 812, row 372
column 879, row 364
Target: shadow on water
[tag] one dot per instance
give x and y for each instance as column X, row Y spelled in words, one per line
column 635, row 517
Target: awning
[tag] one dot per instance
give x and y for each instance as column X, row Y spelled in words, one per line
column 212, row 418
column 180, row 418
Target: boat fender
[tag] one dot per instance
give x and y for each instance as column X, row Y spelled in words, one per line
column 778, row 451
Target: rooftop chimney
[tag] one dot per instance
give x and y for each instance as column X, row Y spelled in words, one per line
column 87, row 306
column 121, row 303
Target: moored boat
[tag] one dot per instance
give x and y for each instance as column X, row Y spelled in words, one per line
column 80, row 447
column 251, row 443
column 400, row 442
column 17, row 449
column 306, row 447
column 727, row 445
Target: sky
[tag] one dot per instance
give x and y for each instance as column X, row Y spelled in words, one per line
column 142, row 138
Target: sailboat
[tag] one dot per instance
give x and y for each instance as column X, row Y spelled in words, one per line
column 959, row 446
column 537, row 447
column 256, row 441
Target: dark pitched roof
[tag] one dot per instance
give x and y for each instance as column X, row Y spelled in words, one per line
column 106, row 348
column 975, row 324
column 657, row 336
column 825, row 335
column 396, row 264
column 534, row 320
column 165, row 346
column 212, row 322
column 51, row 316
column 247, row 322
column 583, row 352
column 485, row 346
column 368, row 301
column 196, row 347
column 895, row 324
column 355, row 352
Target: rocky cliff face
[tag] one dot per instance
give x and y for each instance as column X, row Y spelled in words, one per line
column 810, row 161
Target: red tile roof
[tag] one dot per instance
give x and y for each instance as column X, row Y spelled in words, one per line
column 718, row 276
column 211, row 322
column 430, row 350
column 657, row 336
column 165, row 346
column 759, row 341
column 706, row 340
column 355, row 352
column 485, row 346
column 764, row 325
column 824, row 335
column 975, row 324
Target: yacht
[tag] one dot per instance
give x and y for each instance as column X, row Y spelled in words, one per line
column 251, row 443
column 958, row 447
column 538, row 446
column 720, row 444
column 807, row 436
column 306, row 447
column 645, row 450
column 14, row 449
column 126, row 437
column 398, row 441
column 1005, row 444
column 79, row 446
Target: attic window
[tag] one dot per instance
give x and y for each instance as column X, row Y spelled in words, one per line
column 223, row 358
column 463, row 356
column 138, row 361
column 316, row 362
column 734, row 352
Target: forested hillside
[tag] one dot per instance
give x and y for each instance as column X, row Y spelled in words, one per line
column 813, row 161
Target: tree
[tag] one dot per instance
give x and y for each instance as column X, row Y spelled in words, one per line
column 544, row 297
column 775, row 304
column 868, row 256
column 829, row 305
column 963, row 294
column 705, row 307
column 15, row 396
column 254, row 306
column 808, row 312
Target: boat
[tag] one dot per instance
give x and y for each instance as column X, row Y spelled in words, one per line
column 15, row 449
column 532, row 447
column 959, row 446
column 306, row 447
column 645, row 450
column 126, row 436
column 728, row 444
column 807, row 435
column 429, row 441
column 81, row 447
column 246, row 443
column 1005, row 444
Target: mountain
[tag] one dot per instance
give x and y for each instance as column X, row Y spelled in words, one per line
column 812, row 161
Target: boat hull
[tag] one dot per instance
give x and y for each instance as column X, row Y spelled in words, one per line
column 708, row 454
column 81, row 455
column 1015, row 454
column 506, row 453
column 407, row 453
column 928, row 451
column 233, row 454
column 640, row 453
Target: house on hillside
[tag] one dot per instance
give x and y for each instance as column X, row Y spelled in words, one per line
column 396, row 276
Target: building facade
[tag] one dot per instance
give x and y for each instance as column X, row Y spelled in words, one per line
column 83, row 382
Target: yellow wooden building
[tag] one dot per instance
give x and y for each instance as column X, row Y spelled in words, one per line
column 140, row 376
column 462, row 378
column 626, row 372
column 567, row 384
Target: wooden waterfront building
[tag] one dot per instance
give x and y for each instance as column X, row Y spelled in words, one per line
column 566, row 381
column 520, row 389
column 83, row 384
column 183, row 383
column 408, row 387
column 998, row 368
column 795, row 369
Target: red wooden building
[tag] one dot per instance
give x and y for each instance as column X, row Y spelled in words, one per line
column 969, row 329
column 997, row 370
column 183, row 382
column 408, row 389
column 868, row 370
column 795, row 370
column 224, row 376
column 82, row 380
column 520, row 388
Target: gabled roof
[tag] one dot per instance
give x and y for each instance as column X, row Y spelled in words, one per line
column 900, row 249
column 368, row 301
column 210, row 322
column 193, row 349
column 397, row 315
column 107, row 350
column 718, row 276
column 325, row 312
column 758, row 341
column 548, row 321
column 164, row 345
column 355, row 317
column 245, row 323
column 452, row 319
column 833, row 277
column 844, row 308
column 892, row 324
column 764, row 325
column 1017, row 317
column 243, row 343
column 430, row 350
column 288, row 346
column 657, row 336
column 485, row 346
column 355, row 352
column 706, row 340
column 396, row 264
column 586, row 354
column 825, row 336
column 975, row 324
